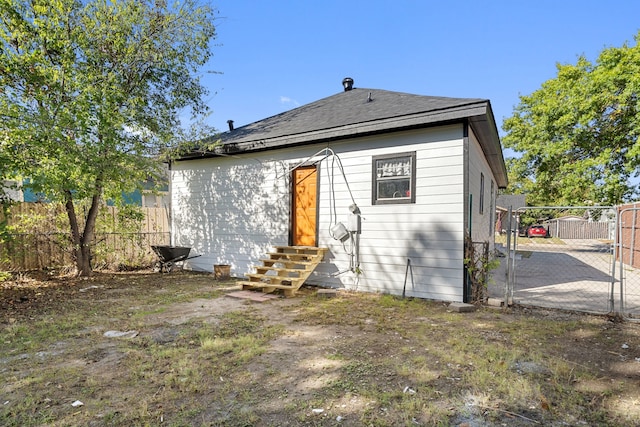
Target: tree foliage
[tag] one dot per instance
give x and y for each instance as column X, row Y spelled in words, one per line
column 576, row 137
column 92, row 92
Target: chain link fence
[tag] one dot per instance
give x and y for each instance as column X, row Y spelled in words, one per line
column 628, row 259
column 582, row 261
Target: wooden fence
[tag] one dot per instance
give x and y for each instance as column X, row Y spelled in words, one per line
column 629, row 218
column 578, row 229
column 37, row 237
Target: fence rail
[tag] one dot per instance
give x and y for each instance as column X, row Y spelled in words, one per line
column 35, row 238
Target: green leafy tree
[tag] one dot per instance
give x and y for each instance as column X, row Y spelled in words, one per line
column 576, row 137
column 91, row 92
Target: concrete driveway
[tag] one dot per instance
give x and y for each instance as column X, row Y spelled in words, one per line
column 575, row 275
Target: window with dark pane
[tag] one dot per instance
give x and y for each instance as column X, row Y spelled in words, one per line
column 481, row 193
column 394, row 178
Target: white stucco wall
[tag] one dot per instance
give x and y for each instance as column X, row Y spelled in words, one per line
column 233, row 209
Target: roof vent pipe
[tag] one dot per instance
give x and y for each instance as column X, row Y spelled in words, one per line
column 230, row 123
column 347, row 82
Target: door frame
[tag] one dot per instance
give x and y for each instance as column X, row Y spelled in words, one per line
column 292, row 210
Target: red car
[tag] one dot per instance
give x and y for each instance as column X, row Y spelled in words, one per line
column 537, row 231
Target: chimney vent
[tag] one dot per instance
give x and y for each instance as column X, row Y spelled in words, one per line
column 230, row 123
column 347, row 82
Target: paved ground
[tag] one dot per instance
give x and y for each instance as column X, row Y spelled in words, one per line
column 573, row 276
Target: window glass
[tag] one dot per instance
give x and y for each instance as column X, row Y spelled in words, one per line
column 394, row 179
column 481, row 193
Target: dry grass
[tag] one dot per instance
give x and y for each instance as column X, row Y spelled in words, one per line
column 523, row 240
column 200, row 358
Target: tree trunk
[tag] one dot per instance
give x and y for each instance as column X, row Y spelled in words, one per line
column 75, row 231
column 82, row 240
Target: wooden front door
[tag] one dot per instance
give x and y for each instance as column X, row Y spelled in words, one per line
column 305, row 197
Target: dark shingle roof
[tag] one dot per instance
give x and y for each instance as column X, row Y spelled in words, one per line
column 361, row 112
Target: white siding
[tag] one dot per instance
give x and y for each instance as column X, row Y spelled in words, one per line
column 230, row 210
column 482, row 223
column 233, row 209
column 428, row 233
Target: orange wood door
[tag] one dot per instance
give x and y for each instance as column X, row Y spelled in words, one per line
column 305, row 197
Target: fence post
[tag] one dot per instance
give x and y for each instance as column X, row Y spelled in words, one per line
column 508, row 283
column 620, row 215
column 633, row 237
column 485, row 274
column 616, row 252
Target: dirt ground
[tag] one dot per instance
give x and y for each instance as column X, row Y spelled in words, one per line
column 314, row 347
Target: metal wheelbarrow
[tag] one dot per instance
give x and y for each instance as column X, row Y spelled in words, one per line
column 168, row 256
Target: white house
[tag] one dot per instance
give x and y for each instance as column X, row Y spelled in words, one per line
column 389, row 182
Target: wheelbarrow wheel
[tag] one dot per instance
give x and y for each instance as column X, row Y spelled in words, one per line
column 157, row 267
column 168, row 267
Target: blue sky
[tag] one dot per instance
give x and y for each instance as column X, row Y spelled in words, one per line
column 275, row 55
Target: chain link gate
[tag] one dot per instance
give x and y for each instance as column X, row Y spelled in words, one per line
column 628, row 260
column 584, row 263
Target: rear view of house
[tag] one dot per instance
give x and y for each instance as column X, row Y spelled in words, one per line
column 389, row 183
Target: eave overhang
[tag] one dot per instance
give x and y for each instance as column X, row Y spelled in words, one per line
column 477, row 114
